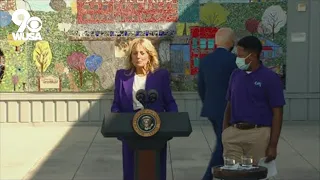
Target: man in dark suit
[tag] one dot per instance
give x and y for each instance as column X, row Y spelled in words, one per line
column 213, row 78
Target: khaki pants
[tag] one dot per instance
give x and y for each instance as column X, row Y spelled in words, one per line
column 251, row 142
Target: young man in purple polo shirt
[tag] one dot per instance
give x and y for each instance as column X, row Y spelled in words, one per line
column 253, row 115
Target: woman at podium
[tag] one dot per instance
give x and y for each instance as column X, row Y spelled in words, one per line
column 143, row 72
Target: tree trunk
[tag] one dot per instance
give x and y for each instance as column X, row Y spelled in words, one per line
column 94, row 81
column 273, row 33
column 184, row 33
column 39, row 83
column 41, row 73
column 60, row 83
column 80, row 77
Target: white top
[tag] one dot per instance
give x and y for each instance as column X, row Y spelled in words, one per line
column 138, row 83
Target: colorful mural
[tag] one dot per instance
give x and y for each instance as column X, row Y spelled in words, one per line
column 81, row 50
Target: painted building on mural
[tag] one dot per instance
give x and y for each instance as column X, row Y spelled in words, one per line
column 85, row 41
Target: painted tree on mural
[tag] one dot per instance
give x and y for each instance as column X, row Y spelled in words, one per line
column 58, row 5
column 60, row 70
column 42, row 57
column 184, row 33
column 5, row 19
column 213, row 14
column 273, row 19
column 92, row 64
column 263, row 30
column 76, row 61
column 15, row 80
column 252, row 25
column 15, row 43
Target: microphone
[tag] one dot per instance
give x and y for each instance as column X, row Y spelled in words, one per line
column 141, row 96
column 152, row 96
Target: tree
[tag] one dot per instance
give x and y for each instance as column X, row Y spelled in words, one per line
column 263, row 30
column 213, row 14
column 42, row 57
column 76, row 61
column 92, row 63
column 252, row 25
column 60, row 69
column 5, row 19
column 184, row 33
column 164, row 51
column 15, row 80
column 58, row 5
column 111, row 63
column 16, row 43
column 273, row 19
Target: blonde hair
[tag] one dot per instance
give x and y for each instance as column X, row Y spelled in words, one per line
column 153, row 64
column 225, row 36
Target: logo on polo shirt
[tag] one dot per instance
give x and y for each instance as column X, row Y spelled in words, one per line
column 257, row 83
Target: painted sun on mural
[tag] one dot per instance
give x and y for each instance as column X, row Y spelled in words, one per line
column 81, row 49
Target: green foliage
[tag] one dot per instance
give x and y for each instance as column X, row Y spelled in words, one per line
column 16, row 64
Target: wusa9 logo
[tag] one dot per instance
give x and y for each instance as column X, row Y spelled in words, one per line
column 22, row 19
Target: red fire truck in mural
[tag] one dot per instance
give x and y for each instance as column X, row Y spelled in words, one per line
column 202, row 42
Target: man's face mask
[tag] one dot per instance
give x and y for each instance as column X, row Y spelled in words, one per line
column 241, row 63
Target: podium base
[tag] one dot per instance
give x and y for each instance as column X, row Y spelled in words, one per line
column 147, row 165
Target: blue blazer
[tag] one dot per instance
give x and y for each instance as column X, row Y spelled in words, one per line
column 213, row 79
column 158, row 80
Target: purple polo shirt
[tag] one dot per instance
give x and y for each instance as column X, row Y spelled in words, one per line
column 252, row 96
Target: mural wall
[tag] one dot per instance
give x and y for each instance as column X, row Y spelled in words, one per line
column 84, row 42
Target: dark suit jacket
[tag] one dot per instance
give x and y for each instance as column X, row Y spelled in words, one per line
column 158, row 80
column 213, row 79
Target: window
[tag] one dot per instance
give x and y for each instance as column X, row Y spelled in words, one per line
column 203, row 43
column 196, row 62
column 194, row 43
column 210, row 43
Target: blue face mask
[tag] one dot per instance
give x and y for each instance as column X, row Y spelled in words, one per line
column 241, row 63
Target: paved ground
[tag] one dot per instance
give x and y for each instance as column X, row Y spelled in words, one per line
column 66, row 152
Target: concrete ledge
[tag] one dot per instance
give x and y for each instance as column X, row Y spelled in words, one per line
column 91, row 107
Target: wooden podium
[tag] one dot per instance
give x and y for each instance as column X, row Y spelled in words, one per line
column 147, row 136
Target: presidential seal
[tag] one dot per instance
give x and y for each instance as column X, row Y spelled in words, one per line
column 146, row 122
